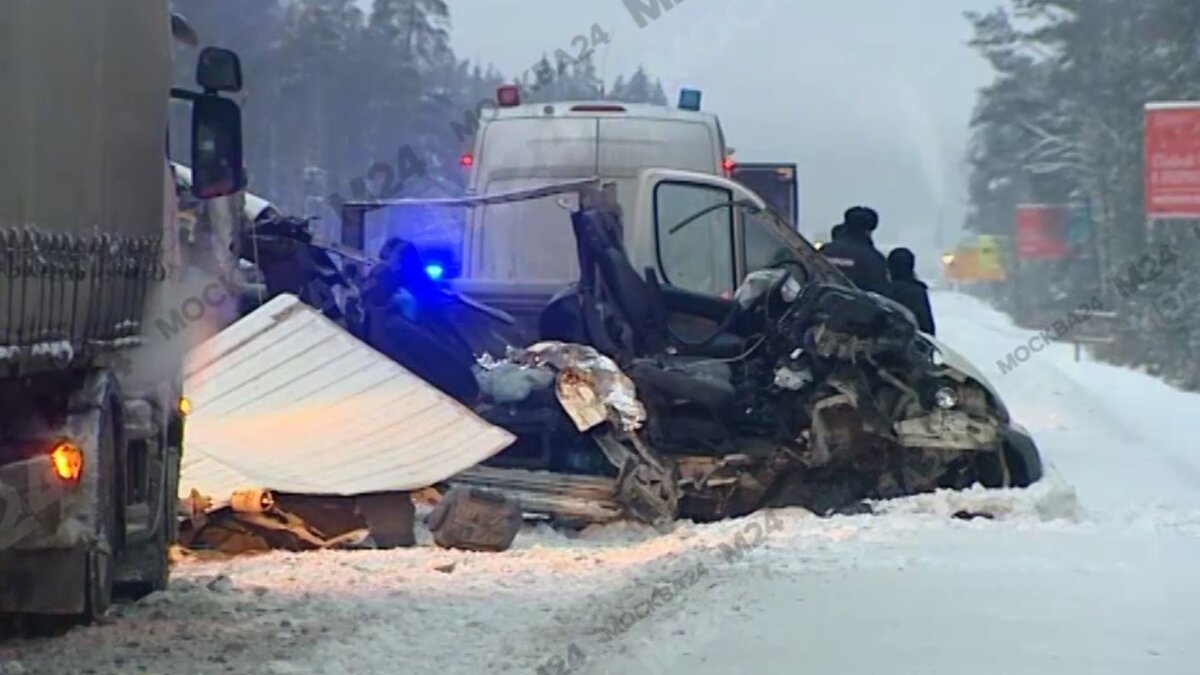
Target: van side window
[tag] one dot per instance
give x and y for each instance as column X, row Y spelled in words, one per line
column 763, row 247
column 698, row 257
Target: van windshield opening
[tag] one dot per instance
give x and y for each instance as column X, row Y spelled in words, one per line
column 533, row 240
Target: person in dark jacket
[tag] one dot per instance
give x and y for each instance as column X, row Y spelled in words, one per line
column 908, row 290
column 854, row 252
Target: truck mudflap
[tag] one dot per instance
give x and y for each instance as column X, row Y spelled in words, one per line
column 49, row 526
column 45, row 534
column 39, row 511
column 23, row 575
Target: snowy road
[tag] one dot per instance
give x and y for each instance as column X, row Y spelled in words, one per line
column 1092, row 571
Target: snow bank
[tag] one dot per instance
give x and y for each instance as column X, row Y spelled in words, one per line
column 1051, row 499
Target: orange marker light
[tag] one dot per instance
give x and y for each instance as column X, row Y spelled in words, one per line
column 67, row 460
column 185, row 406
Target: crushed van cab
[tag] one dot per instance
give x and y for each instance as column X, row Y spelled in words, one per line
column 669, row 382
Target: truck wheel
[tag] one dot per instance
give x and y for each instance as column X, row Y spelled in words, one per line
column 158, row 552
column 98, row 578
column 156, row 567
column 152, row 558
column 99, row 585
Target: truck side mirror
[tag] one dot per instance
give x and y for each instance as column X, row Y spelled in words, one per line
column 217, row 168
column 219, row 70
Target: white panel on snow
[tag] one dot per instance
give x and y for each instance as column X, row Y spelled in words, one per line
column 287, row 400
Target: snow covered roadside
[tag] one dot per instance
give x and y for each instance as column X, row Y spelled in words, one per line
column 1091, row 571
column 405, row 610
column 1125, row 440
column 350, row 612
column 918, row 594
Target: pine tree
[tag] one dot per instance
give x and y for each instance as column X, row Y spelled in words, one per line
column 637, row 89
column 1063, row 121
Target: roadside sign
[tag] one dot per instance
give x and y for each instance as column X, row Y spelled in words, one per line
column 1041, row 231
column 1172, row 160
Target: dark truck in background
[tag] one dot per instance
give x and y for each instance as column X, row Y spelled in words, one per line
column 90, row 444
column 776, row 183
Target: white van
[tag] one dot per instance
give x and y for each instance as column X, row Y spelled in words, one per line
column 524, row 146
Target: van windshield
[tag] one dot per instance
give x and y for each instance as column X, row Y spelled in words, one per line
column 527, row 240
column 526, row 147
column 533, row 240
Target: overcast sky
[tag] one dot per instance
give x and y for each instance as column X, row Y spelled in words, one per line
column 870, row 97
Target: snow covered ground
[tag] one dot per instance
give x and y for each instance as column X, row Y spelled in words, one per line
column 1091, row 571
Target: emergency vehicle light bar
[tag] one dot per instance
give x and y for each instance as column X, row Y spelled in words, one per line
column 689, row 99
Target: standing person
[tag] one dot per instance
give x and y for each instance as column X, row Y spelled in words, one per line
column 908, row 290
column 854, row 252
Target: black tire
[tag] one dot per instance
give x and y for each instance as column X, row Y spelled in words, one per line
column 991, row 474
column 1018, row 471
column 156, row 570
column 161, row 565
column 101, row 566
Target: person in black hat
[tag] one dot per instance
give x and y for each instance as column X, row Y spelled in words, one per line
column 854, row 251
column 908, row 290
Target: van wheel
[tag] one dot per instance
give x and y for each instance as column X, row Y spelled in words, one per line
column 991, row 473
column 1018, row 472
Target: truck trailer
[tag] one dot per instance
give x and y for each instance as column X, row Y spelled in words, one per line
column 90, row 440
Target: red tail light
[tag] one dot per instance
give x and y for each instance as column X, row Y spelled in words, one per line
column 728, row 164
column 466, row 160
column 508, row 95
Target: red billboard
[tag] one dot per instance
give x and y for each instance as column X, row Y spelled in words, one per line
column 1172, row 160
column 1041, row 231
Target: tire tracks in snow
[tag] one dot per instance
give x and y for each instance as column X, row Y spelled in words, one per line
column 202, row 624
column 578, row 639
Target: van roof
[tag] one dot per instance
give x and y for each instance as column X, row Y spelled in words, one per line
column 565, row 109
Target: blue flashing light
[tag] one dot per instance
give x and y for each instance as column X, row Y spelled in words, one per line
column 435, row 271
column 689, row 99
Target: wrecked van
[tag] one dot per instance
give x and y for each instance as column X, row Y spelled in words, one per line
column 642, row 397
